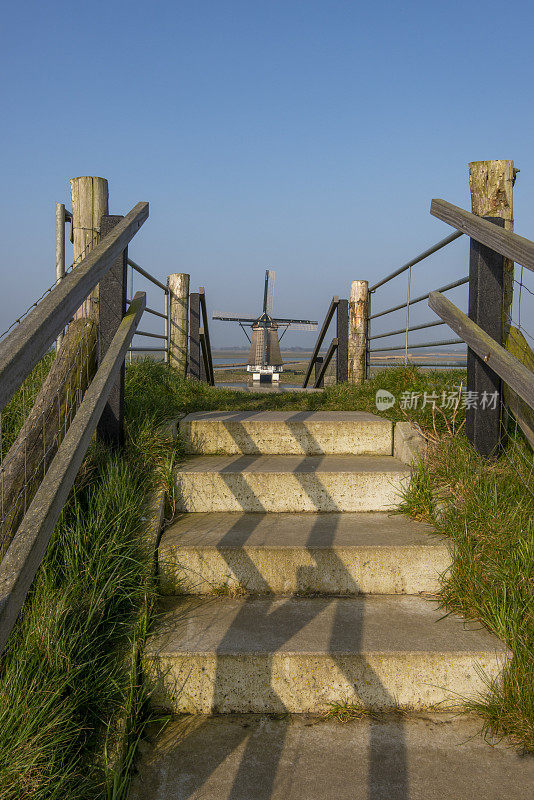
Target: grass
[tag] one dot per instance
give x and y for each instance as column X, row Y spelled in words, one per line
column 171, row 395
column 15, row 412
column 71, row 703
column 486, row 509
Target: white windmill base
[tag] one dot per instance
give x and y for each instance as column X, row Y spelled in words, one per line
column 265, row 374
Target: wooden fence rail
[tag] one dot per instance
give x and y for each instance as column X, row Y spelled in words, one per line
column 28, row 342
column 25, row 553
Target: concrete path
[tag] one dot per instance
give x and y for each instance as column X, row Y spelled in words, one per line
column 254, row 757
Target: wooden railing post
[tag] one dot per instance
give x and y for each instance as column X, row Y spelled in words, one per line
column 112, row 307
column 89, row 204
column 358, row 314
column 490, row 299
column 178, row 286
column 342, row 335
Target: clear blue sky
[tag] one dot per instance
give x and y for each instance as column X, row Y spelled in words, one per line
column 305, row 136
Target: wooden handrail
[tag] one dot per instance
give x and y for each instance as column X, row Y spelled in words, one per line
column 322, row 333
column 26, row 551
column 503, row 363
column 28, row 342
column 507, row 243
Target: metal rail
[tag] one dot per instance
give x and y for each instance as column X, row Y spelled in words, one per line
column 151, row 335
column 204, row 335
column 405, row 330
column 327, row 359
column 453, row 364
column 446, row 288
column 147, row 275
column 151, row 311
column 322, row 333
column 430, row 251
column 415, row 346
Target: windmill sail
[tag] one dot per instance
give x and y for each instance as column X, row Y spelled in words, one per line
column 265, row 358
column 268, row 295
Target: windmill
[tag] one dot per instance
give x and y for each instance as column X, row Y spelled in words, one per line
column 265, row 360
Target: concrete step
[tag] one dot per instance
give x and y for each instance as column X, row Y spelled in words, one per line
column 333, row 553
column 312, row 433
column 289, row 483
column 302, row 654
column 257, row 757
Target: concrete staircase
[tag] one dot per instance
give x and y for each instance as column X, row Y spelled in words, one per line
column 291, row 588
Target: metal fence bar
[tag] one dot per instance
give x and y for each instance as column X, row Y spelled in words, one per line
column 151, row 335
column 60, row 252
column 412, row 328
column 205, row 328
column 146, row 274
column 320, row 338
column 25, row 553
column 151, row 311
column 28, row 342
column 417, row 259
column 146, row 349
column 445, row 288
column 319, row 379
column 414, row 346
column 167, row 326
column 454, row 364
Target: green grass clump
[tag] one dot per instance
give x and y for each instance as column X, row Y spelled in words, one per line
column 15, row 412
column 170, row 395
column 70, row 694
column 486, row 508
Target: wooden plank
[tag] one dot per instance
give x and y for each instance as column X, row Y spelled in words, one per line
column 24, row 556
column 486, row 275
column 507, row 243
column 320, row 338
column 509, row 368
column 358, row 317
column 28, row 342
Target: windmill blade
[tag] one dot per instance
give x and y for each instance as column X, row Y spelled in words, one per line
column 302, row 326
column 268, row 294
column 229, row 317
column 281, row 321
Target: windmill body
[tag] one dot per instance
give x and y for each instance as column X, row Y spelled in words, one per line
column 265, row 359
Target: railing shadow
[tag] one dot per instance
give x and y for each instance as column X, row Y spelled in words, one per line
column 387, row 763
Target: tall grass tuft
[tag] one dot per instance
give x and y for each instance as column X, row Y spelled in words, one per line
column 486, row 508
column 71, row 701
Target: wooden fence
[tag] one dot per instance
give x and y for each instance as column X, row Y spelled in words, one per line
column 100, row 408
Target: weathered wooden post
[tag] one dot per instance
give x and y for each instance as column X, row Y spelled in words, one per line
column 358, row 313
column 491, row 279
column 342, row 334
column 112, row 307
column 89, row 204
column 178, row 286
